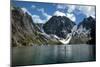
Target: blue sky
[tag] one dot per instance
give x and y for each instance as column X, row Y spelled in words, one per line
column 42, row 12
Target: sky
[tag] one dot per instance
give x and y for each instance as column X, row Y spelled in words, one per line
column 42, row 12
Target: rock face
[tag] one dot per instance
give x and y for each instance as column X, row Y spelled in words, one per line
column 84, row 32
column 22, row 27
column 58, row 25
column 90, row 24
column 40, row 26
column 61, row 26
column 24, row 31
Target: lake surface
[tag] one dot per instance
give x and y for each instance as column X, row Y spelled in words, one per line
column 50, row 54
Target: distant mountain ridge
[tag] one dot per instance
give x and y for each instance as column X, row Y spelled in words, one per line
column 61, row 26
column 88, row 22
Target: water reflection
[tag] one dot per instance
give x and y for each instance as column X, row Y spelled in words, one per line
column 53, row 54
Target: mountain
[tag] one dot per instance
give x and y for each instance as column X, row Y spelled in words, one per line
column 85, row 32
column 24, row 31
column 90, row 24
column 58, row 25
column 40, row 26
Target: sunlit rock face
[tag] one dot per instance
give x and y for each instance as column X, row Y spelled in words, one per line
column 25, row 32
column 22, row 27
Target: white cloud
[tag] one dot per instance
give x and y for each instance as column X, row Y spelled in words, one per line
column 33, row 6
column 69, row 12
column 71, row 16
column 87, row 10
column 58, row 13
column 25, row 10
column 37, row 19
column 45, row 14
column 71, row 8
column 61, row 6
column 41, row 10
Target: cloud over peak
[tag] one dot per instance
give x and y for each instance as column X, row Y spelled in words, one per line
column 58, row 13
column 71, row 8
column 71, row 17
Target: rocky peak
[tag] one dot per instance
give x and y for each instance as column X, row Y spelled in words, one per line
column 58, row 25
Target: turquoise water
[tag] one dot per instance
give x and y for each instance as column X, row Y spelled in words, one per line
column 51, row 54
